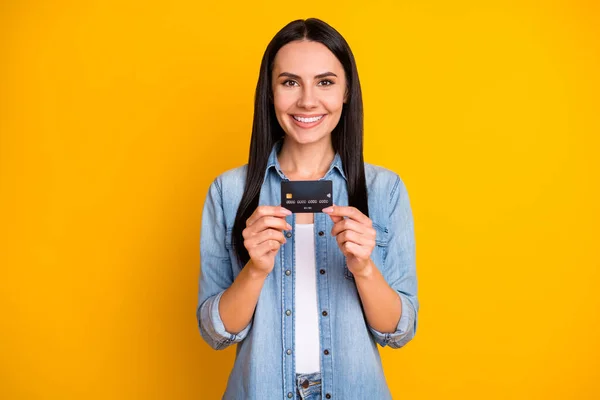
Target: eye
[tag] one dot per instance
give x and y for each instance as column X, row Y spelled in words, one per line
column 326, row 82
column 289, row 83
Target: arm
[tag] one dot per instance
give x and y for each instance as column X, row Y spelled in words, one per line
column 399, row 271
column 388, row 294
column 226, row 306
column 216, row 275
column 262, row 238
column 381, row 303
column 239, row 301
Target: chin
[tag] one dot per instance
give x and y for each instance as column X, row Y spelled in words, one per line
column 308, row 138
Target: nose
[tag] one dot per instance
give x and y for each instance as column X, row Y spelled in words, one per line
column 307, row 98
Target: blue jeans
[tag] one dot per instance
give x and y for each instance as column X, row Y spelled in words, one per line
column 308, row 386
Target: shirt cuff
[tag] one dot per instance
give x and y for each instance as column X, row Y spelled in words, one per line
column 404, row 330
column 211, row 323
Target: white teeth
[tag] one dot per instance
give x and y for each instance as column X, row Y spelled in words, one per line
column 307, row 120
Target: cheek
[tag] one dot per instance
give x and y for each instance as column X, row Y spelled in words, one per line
column 282, row 101
column 334, row 102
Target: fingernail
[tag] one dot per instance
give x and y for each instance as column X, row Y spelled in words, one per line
column 328, row 209
column 289, row 226
column 286, row 211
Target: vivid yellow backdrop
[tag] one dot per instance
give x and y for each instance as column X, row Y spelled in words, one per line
column 116, row 116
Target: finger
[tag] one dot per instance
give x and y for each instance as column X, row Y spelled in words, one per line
column 262, row 211
column 353, row 249
column 264, row 223
column 264, row 236
column 268, row 246
column 277, row 223
column 352, row 225
column 350, row 212
column 267, row 222
column 335, row 218
column 264, row 248
column 355, row 237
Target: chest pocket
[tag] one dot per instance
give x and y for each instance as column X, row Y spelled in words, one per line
column 379, row 252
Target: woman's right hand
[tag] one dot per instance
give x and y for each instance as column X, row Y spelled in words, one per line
column 264, row 235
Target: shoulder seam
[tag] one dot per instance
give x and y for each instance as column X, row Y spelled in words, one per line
column 218, row 186
column 394, row 188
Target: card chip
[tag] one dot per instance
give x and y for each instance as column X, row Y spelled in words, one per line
column 288, row 195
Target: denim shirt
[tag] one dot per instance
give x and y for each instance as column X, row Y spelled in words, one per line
column 350, row 362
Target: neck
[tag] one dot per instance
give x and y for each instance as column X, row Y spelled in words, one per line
column 306, row 161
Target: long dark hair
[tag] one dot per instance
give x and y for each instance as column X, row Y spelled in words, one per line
column 347, row 136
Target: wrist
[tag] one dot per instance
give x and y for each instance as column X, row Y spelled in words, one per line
column 254, row 273
column 366, row 272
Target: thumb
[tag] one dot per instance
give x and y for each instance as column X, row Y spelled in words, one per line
column 336, row 218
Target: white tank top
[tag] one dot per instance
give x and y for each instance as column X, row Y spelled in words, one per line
column 307, row 313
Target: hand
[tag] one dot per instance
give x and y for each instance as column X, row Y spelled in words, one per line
column 355, row 236
column 263, row 236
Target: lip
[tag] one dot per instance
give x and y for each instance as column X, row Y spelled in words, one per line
column 307, row 125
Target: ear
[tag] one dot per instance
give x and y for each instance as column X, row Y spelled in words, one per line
column 346, row 96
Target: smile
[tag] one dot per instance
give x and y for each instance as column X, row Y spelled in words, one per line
column 308, row 120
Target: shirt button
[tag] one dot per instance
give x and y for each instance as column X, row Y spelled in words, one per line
column 288, row 272
column 288, row 313
column 290, row 394
column 321, row 233
column 288, row 352
column 322, row 272
column 324, row 313
column 326, row 352
column 288, row 235
column 327, row 396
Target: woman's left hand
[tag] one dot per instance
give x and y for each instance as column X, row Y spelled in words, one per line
column 355, row 236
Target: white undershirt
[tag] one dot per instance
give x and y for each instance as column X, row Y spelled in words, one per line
column 307, row 314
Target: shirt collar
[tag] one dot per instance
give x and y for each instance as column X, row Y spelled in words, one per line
column 273, row 162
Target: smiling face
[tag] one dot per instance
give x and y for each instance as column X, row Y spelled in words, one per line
column 309, row 87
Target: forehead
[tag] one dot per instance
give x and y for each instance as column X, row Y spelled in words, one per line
column 306, row 57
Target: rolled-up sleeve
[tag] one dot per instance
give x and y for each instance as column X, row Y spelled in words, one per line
column 405, row 331
column 399, row 268
column 212, row 328
column 216, row 273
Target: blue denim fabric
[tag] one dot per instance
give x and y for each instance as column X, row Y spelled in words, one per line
column 264, row 366
column 308, row 386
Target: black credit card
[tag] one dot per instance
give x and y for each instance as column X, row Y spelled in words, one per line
column 306, row 196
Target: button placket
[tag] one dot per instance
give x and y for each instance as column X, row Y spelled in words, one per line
column 288, row 260
column 323, row 243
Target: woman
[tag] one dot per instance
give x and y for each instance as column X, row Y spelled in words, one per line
column 306, row 297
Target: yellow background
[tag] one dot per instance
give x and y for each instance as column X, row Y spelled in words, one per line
column 116, row 116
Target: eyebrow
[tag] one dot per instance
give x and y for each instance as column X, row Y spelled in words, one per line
column 294, row 76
